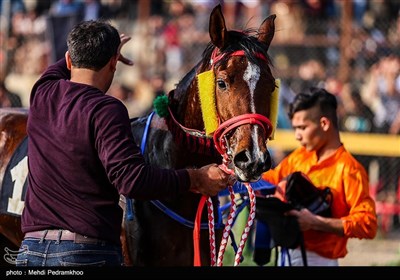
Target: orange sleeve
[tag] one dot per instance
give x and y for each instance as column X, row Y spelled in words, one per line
column 361, row 222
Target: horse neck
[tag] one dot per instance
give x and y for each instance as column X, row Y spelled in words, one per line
column 188, row 110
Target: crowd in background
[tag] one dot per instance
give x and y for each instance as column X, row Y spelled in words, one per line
column 305, row 50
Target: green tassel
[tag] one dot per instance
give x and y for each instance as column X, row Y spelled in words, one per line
column 160, row 105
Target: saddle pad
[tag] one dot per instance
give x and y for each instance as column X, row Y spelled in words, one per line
column 14, row 184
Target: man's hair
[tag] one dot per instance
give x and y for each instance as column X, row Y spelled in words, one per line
column 317, row 97
column 91, row 44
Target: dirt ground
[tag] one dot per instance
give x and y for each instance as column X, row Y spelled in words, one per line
column 381, row 251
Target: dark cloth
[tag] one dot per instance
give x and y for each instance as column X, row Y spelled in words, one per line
column 302, row 193
column 284, row 229
column 82, row 156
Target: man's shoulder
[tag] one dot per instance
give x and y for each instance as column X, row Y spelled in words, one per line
column 349, row 161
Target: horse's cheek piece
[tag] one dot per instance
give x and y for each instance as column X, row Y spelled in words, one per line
column 274, row 107
column 206, row 87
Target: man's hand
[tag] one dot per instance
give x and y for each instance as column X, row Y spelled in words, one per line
column 124, row 40
column 280, row 190
column 305, row 218
column 209, row 180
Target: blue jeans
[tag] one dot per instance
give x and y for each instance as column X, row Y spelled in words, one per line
column 38, row 252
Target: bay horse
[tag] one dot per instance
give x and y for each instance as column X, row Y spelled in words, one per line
column 220, row 117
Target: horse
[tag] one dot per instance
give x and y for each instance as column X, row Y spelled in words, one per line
column 219, row 112
column 13, row 171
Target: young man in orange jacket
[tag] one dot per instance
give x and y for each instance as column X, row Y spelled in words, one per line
column 324, row 159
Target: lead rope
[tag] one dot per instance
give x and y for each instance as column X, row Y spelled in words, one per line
column 211, row 232
column 227, row 228
column 220, row 145
column 230, row 220
column 250, row 220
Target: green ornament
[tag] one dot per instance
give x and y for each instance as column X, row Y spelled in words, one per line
column 160, row 105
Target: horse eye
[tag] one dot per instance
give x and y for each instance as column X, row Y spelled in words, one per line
column 221, row 84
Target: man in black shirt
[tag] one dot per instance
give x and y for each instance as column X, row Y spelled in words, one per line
column 82, row 157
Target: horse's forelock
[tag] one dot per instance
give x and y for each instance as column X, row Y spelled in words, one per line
column 239, row 40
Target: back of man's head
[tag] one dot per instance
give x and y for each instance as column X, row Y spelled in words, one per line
column 91, row 44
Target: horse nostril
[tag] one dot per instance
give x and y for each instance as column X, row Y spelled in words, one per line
column 253, row 165
column 242, row 160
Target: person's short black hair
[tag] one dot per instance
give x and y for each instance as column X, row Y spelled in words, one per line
column 91, row 44
column 316, row 97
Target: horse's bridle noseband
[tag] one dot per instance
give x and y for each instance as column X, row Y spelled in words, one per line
column 233, row 123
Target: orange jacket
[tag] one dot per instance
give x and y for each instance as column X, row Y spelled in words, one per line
column 352, row 203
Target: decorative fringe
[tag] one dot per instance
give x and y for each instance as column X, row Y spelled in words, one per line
column 193, row 144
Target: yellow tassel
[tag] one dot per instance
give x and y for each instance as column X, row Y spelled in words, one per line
column 206, row 86
column 274, row 108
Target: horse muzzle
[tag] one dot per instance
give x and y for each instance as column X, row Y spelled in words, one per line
column 249, row 168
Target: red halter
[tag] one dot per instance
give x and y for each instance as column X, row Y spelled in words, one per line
column 233, row 123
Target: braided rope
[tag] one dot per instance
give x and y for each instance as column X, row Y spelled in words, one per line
column 228, row 227
column 211, row 232
column 249, row 223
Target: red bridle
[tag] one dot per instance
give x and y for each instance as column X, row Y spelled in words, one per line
column 233, row 123
column 216, row 57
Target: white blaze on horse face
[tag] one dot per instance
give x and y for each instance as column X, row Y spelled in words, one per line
column 251, row 76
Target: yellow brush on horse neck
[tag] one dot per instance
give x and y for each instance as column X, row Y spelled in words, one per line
column 206, row 87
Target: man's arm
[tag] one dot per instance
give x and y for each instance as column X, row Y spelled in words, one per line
column 308, row 220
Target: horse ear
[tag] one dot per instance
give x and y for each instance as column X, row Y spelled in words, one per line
column 217, row 28
column 267, row 30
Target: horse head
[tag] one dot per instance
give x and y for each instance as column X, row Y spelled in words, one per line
column 232, row 88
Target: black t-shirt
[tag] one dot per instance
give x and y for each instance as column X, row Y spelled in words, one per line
column 81, row 157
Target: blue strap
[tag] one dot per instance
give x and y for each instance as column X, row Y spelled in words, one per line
column 181, row 219
column 263, row 235
column 129, row 207
column 238, row 187
column 129, row 210
column 234, row 245
column 146, row 132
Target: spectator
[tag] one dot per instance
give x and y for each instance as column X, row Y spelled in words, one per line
column 8, row 98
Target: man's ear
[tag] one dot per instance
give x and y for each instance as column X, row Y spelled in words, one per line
column 113, row 63
column 325, row 123
column 68, row 60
